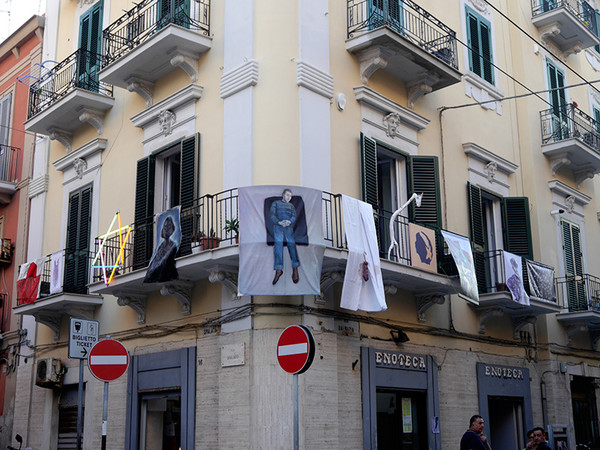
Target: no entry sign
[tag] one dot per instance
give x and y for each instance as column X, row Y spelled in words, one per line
column 295, row 349
column 108, row 360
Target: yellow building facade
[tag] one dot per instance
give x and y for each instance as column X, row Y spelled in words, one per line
column 488, row 108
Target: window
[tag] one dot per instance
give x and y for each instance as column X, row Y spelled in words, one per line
column 480, row 46
column 165, row 180
column 78, row 241
column 388, row 178
column 161, row 402
column 571, row 240
column 5, row 107
column 173, row 11
column 393, row 15
column 90, row 42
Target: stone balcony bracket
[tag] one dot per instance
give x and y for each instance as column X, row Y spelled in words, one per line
column 521, row 322
column 327, row 280
column 135, row 302
column 421, row 87
column 485, row 316
column 51, row 321
column 142, row 88
column 185, row 61
column 373, row 59
column 92, row 116
column 227, row 279
column 62, row 136
column 424, row 302
column 182, row 291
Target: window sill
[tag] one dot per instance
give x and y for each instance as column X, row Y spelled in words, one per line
column 482, row 91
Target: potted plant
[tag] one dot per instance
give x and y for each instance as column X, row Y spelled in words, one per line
column 209, row 242
column 233, row 226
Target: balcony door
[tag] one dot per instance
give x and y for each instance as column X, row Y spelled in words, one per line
column 573, row 266
column 386, row 12
column 90, row 46
column 78, row 241
column 558, row 103
column 173, row 11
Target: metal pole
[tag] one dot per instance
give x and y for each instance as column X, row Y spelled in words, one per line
column 296, row 424
column 80, row 405
column 104, row 415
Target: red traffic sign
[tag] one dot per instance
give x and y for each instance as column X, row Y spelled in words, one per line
column 295, row 349
column 108, row 360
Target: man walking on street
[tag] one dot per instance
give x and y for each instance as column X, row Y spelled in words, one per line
column 474, row 439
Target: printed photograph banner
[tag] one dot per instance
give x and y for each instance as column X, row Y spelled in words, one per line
column 513, row 269
column 57, row 263
column 162, row 264
column 460, row 248
column 28, row 282
column 281, row 240
column 423, row 250
column 363, row 282
column 541, row 281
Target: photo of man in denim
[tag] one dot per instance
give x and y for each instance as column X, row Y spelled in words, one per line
column 283, row 216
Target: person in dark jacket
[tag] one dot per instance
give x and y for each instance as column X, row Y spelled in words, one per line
column 474, row 439
column 539, row 437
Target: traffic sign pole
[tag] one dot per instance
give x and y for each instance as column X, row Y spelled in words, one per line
column 296, row 415
column 104, row 415
column 80, row 405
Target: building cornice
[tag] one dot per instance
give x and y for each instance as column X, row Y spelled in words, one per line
column 560, row 188
column 485, row 156
column 181, row 97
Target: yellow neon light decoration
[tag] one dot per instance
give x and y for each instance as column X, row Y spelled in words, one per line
column 122, row 244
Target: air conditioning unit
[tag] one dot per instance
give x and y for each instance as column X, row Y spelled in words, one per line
column 49, row 373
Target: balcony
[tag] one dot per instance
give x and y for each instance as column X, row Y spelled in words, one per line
column 67, row 96
column 8, row 172
column 149, row 41
column 580, row 297
column 70, row 300
column 569, row 24
column 571, row 138
column 496, row 300
column 404, row 40
column 215, row 257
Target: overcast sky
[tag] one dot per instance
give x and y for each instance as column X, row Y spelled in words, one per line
column 13, row 13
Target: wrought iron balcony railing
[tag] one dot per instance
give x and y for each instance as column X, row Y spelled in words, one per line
column 568, row 121
column 139, row 24
column 203, row 228
column 491, row 275
column 579, row 292
column 8, row 163
column 75, row 274
column 579, row 8
column 78, row 71
column 407, row 19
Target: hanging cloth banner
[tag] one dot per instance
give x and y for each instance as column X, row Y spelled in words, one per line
column 281, row 240
column 57, row 263
column 513, row 269
column 460, row 248
column 541, row 281
column 28, row 283
column 363, row 283
column 162, row 264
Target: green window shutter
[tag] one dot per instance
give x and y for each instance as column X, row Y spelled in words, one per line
column 189, row 189
column 144, row 212
column 473, row 38
column 597, row 28
column 576, row 294
column 90, row 39
column 597, row 120
column 479, row 37
column 369, row 171
column 423, row 178
column 486, row 52
column 516, row 226
column 78, row 241
column 476, row 216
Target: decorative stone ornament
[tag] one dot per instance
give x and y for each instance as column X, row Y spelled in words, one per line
column 80, row 166
column 490, row 170
column 166, row 120
column 570, row 203
column 391, row 122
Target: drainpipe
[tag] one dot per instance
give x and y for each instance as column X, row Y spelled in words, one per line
column 544, row 405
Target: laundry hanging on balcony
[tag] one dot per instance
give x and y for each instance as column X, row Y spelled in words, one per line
column 162, row 264
column 28, row 283
column 513, row 268
column 281, row 240
column 360, row 291
column 460, row 248
column 541, row 281
column 57, row 263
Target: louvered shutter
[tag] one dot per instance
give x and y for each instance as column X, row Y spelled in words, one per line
column 189, row 189
column 5, row 104
column 574, row 267
column 369, row 171
column 182, row 13
column 144, row 212
column 478, row 237
column 596, row 28
column 473, row 38
column 486, row 52
column 395, row 11
column 78, row 241
column 423, row 178
column 163, row 13
column 516, row 226
column 90, row 40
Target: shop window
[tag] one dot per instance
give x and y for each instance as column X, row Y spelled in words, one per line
column 480, row 46
column 401, row 419
column 165, row 180
column 161, row 402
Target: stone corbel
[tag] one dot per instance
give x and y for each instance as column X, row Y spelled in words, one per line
column 135, row 302
column 520, row 322
column 424, row 302
column 486, row 315
column 595, row 338
column 372, row 60
column 389, row 289
column 226, row 279
column 182, row 291
column 574, row 49
column 329, row 279
column 92, row 116
column 52, row 321
column 62, row 136
column 557, row 163
column 549, row 31
column 572, row 330
column 187, row 62
column 582, row 175
column 142, row 88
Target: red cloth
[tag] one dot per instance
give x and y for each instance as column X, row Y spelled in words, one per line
column 28, row 287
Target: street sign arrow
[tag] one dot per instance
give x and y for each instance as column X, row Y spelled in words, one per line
column 83, row 334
